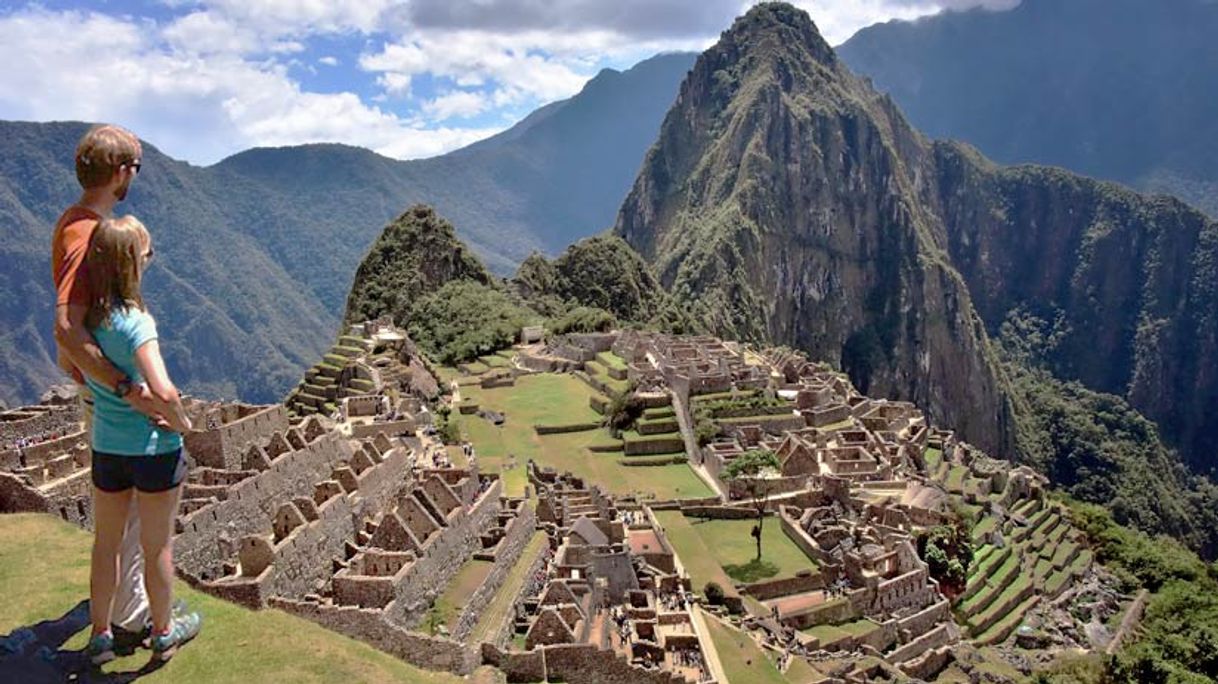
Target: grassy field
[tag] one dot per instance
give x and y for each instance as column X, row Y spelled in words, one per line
column 552, row 399
column 44, row 570
column 463, row 585
column 709, row 548
column 741, row 658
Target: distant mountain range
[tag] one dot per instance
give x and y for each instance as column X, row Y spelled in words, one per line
column 260, row 249
column 1124, row 90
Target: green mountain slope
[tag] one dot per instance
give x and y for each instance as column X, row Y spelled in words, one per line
column 261, row 248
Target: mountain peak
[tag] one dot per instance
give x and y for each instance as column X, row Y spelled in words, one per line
column 779, row 25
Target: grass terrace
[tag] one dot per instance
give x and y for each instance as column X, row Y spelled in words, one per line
column 463, row 585
column 610, row 360
column 48, row 560
column 499, row 609
column 559, row 399
column 742, row 659
column 723, row 551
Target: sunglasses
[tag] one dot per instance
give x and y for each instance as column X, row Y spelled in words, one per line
column 134, row 166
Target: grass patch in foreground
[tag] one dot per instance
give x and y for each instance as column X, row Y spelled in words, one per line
column 44, row 567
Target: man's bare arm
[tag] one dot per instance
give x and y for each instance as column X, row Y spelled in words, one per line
column 78, row 345
column 82, row 350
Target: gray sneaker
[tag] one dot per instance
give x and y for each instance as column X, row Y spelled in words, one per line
column 182, row 629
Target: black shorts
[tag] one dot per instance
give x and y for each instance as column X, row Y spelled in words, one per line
column 149, row 474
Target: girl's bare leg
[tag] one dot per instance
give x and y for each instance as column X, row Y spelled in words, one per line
column 109, row 520
column 157, row 513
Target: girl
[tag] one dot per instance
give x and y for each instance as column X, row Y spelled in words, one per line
column 132, row 457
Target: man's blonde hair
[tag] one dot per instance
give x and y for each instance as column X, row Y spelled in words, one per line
column 114, row 266
column 102, row 151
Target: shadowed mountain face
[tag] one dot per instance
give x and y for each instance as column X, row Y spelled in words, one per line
column 261, row 248
column 1118, row 89
column 789, row 202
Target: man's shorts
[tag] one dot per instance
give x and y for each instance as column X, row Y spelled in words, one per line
column 148, row 474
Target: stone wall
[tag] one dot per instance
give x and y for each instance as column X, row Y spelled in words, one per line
column 763, row 591
column 516, row 537
column 442, row 557
column 587, row 663
column 388, row 428
column 34, row 421
column 225, row 446
column 208, row 537
column 939, row 636
column 518, row 666
column 371, row 627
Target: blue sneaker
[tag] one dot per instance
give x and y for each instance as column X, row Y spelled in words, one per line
column 182, row 629
column 101, row 648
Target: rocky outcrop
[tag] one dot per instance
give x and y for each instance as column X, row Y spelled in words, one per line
column 416, row 254
column 784, row 203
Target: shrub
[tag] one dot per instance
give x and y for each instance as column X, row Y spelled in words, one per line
column 714, row 593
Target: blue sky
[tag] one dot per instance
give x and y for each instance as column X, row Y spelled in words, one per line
column 202, row 79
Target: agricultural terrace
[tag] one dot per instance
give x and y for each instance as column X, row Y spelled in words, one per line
column 550, row 399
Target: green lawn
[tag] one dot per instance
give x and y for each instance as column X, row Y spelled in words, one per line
column 710, row 548
column 44, row 565
column 460, row 588
column 611, row 360
column 731, row 545
column 741, row 658
column 553, row 399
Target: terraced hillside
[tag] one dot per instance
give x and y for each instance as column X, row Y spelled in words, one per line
column 1026, row 551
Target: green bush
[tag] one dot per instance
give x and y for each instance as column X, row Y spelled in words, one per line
column 583, row 319
column 714, row 593
column 464, row 320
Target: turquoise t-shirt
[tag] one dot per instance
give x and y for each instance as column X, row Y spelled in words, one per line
column 117, row 428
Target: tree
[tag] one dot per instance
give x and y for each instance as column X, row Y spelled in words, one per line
column 753, row 468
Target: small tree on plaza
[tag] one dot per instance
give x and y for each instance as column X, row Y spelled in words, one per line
column 753, row 469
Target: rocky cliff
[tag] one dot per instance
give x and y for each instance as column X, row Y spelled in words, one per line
column 786, row 201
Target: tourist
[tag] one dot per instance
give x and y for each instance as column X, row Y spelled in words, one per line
column 107, row 162
column 133, row 460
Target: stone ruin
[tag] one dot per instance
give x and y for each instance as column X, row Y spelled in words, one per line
column 608, row 604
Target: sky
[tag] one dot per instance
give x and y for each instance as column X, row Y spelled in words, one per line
column 203, row 79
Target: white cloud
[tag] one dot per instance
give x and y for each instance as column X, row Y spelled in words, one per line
column 840, row 19
column 197, row 106
column 456, row 104
column 217, row 78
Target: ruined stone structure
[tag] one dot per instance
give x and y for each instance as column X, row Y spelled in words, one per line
column 610, row 604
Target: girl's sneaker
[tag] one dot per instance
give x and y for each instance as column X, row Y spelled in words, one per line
column 183, row 628
column 101, row 648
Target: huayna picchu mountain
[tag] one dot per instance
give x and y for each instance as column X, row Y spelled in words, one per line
column 786, row 201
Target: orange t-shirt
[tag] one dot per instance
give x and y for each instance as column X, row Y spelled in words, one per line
column 69, row 245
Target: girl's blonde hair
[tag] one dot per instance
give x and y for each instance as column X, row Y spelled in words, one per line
column 114, row 265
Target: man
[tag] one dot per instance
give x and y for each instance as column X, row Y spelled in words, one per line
column 107, row 161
